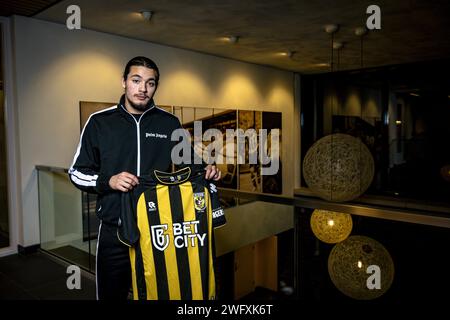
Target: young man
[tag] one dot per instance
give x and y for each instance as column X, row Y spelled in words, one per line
column 117, row 145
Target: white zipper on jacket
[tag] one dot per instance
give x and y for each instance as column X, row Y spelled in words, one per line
column 138, row 133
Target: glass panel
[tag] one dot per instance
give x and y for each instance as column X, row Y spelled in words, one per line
column 67, row 222
column 270, row 249
column 4, row 220
column 350, row 258
column 400, row 113
column 254, row 249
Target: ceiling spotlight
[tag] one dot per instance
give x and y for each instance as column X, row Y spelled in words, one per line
column 321, row 65
column 233, row 39
column 331, row 28
column 338, row 45
column 147, row 15
column 288, row 54
column 360, row 31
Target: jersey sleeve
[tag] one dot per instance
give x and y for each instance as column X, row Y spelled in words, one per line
column 128, row 231
column 218, row 214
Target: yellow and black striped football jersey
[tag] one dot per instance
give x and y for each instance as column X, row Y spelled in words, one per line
column 168, row 222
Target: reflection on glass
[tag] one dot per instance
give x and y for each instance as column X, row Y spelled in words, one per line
column 68, row 224
column 400, row 113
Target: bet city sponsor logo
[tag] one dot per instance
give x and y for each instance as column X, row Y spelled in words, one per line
column 184, row 235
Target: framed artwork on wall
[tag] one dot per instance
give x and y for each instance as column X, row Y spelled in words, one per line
column 244, row 176
column 273, row 183
column 88, row 107
column 250, row 173
column 222, row 121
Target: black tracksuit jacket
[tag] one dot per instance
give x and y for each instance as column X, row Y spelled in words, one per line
column 113, row 141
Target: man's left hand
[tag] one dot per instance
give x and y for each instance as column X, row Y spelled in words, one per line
column 212, row 173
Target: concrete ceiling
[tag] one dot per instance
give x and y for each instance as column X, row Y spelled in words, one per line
column 411, row 30
column 24, row 7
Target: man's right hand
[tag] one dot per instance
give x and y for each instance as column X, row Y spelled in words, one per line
column 123, row 181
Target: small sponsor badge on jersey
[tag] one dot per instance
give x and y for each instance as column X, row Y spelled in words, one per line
column 199, row 201
column 151, row 206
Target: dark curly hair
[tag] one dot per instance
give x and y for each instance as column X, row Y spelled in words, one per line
column 141, row 61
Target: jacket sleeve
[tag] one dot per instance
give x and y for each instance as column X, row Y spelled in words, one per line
column 84, row 172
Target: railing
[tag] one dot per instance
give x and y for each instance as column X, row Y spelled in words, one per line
column 64, row 222
column 415, row 235
column 68, row 228
column 404, row 210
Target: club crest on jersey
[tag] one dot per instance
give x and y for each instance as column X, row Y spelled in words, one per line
column 199, row 201
column 159, row 239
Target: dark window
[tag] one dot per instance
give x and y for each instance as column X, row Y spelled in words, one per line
column 402, row 114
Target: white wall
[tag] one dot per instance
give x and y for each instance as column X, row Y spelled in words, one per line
column 56, row 68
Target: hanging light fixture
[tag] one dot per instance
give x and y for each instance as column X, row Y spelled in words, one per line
column 361, row 32
column 331, row 226
column 233, row 39
column 331, row 29
column 351, row 263
column 147, row 14
column 338, row 167
column 338, row 46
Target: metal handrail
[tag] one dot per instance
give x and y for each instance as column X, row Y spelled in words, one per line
column 425, row 217
column 369, row 206
column 257, row 196
column 52, row 169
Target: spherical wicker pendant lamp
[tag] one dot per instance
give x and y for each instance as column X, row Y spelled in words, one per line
column 331, row 226
column 350, row 264
column 338, row 167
